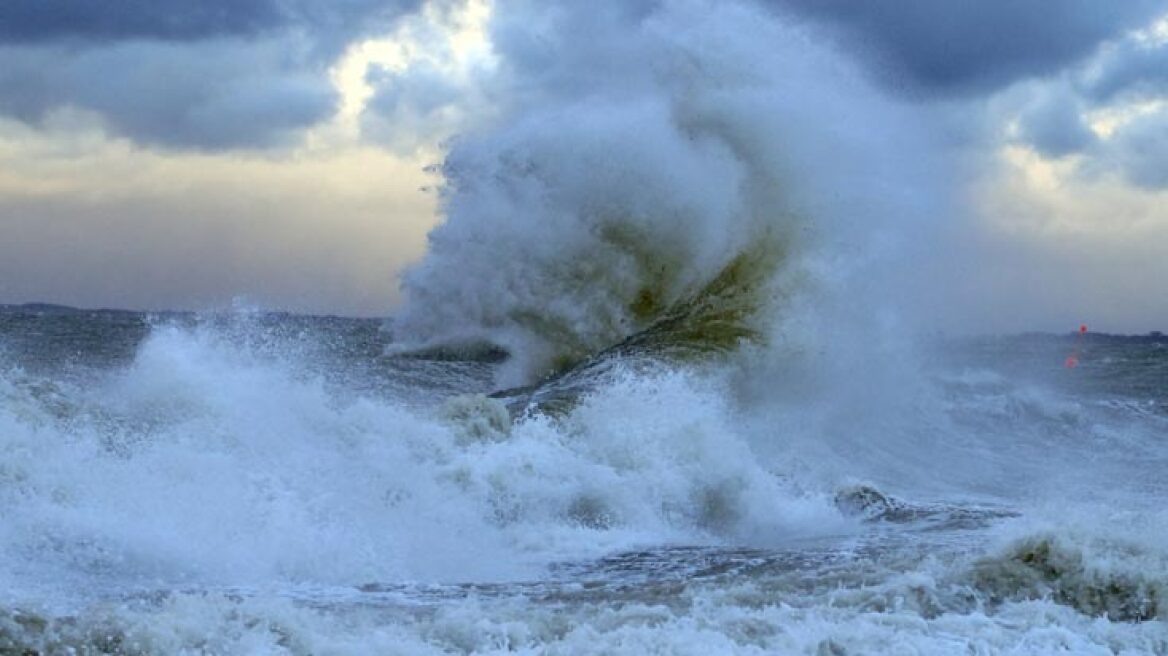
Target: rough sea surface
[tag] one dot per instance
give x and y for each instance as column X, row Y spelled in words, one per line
column 252, row 483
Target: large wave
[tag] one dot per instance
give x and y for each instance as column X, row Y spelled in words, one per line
column 209, row 462
column 639, row 163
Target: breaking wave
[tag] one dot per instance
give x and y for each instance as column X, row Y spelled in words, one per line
column 680, row 198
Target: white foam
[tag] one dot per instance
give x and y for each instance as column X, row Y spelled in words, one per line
column 205, row 463
column 646, row 153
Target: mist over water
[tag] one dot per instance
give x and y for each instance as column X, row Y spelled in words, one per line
column 635, row 160
column 657, row 387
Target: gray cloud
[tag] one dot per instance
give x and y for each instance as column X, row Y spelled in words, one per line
column 214, row 95
column 1053, row 123
column 1051, row 114
column 565, row 48
column 31, row 21
column 1137, row 148
column 413, row 107
column 209, row 75
column 968, row 48
column 1129, row 68
column 39, row 21
column 1140, row 151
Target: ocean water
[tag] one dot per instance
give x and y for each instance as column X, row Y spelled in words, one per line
column 256, row 483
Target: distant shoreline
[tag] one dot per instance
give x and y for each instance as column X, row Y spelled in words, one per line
column 59, row 309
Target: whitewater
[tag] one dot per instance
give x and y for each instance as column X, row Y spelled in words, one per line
column 660, row 384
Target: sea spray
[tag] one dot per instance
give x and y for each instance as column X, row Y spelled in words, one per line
column 194, row 463
column 614, row 188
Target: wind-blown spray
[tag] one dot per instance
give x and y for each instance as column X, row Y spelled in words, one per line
column 642, row 149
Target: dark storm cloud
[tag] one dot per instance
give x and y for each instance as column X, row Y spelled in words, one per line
column 27, row 21
column 38, row 21
column 213, row 75
column 214, row 95
column 1125, row 73
column 968, row 47
column 1051, row 63
column 1131, row 68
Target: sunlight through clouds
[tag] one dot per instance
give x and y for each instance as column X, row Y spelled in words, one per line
column 320, row 227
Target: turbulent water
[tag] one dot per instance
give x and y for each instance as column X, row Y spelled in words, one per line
column 266, row 483
column 656, row 387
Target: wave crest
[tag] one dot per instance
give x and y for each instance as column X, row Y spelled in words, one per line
column 672, row 191
column 1125, row 584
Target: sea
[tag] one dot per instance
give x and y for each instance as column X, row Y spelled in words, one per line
column 249, row 482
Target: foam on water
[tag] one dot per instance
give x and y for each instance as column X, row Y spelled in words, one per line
column 221, row 496
column 204, row 463
column 830, row 604
column 200, row 463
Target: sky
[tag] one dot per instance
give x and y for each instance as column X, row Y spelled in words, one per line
column 285, row 154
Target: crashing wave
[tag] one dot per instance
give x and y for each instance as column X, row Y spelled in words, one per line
column 666, row 197
column 717, row 319
column 1119, row 582
column 870, row 504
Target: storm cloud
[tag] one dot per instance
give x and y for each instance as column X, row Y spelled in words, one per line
column 209, row 75
column 1111, row 111
column 33, row 21
column 966, row 47
column 1052, row 122
column 39, row 21
column 1134, row 68
column 1062, row 77
column 229, row 94
column 1141, row 150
